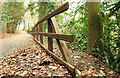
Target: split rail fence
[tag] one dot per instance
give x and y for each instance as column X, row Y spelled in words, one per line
column 54, row 32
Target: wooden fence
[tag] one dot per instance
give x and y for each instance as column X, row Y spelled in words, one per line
column 54, row 32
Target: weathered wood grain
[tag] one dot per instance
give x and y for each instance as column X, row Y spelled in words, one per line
column 69, row 38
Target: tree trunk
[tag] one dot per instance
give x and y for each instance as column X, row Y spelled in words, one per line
column 94, row 28
column 9, row 28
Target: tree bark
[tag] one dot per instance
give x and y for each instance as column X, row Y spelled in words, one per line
column 94, row 28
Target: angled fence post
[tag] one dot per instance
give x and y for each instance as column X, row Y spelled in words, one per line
column 50, row 40
column 62, row 45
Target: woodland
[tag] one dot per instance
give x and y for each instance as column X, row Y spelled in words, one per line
column 95, row 26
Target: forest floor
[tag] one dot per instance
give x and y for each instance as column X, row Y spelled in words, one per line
column 31, row 60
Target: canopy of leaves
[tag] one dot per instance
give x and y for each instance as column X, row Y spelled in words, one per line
column 42, row 8
column 13, row 12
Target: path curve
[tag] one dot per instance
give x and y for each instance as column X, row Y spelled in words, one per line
column 15, row 42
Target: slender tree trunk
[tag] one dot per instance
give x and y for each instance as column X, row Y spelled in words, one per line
column 94, row 28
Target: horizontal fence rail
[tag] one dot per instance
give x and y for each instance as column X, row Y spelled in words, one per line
column 59, row 10
column 69, row 38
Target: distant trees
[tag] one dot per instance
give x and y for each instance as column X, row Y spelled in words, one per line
column 12, row 13
column 41, row 8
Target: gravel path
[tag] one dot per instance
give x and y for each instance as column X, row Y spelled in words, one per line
column 15, row 42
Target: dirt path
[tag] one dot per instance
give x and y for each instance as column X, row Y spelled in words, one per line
column 15, row 42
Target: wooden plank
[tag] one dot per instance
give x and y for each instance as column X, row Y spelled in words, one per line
column 69, row 38
column 73, row 71
column 62, row 45
column 37, row 31
column 50, row 40
column 33, row 31
column 41, row 29
column 59, row 10
column 35, row 34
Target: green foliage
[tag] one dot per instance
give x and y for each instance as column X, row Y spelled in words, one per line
column 42, row 9
column 111, row 38
column 111, row 32
column 13, row 11
column 76, row 24
column 4, row 28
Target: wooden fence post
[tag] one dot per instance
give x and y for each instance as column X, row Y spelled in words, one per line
column 33, row 31
column 41, row 30
column 50, row 40
column 37, row 31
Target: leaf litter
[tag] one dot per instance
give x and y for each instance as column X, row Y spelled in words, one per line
column 33, row 61
column 89, row 66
